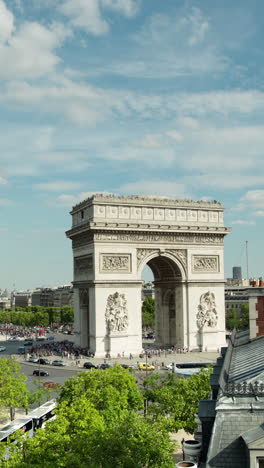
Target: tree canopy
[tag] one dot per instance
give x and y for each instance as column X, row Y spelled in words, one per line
column 175, row 400
column 239, row 320
column 13, row 389
column 148, row 312
column 99, row 424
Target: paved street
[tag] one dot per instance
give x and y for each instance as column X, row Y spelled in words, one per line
column 60, row 374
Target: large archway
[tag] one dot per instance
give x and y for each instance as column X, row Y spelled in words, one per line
column 169, row 277
column 113, row 238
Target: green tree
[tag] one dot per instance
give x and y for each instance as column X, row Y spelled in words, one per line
column 13, row 389
column 175, row 400
column 238, row 319
column 110, row 392
column 148, row 312
column 98, row 425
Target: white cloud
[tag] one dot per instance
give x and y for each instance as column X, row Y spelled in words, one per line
column 3, row 181
column 5, row 202
column 199, row 26
column 85, row 15
column 242, row 222
column 188, row 122
column 156, row 187
column 57, row 186
column 71, row 200
column 7, row 26
column 174, row 135
column 259, row 213
column 149, row 141
column 29, row 52
column 128, row 8
column 255, row 198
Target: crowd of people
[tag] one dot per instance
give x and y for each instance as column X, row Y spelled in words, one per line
column 63, row 348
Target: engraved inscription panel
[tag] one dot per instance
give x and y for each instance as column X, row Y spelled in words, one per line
column 205, row 263
column 115, row 263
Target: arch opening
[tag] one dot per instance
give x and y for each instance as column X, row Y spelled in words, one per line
column 168, row 294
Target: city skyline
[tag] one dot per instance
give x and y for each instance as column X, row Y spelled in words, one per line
column 126, row 97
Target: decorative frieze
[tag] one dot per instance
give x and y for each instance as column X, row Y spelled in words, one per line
column 207, row 313
column 115, row 263
column 205, row 263
column 83, row 264
column 116, row 314
column 173, row 238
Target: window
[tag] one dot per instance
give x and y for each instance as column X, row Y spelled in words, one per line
column 82, row 214
column 260, row 462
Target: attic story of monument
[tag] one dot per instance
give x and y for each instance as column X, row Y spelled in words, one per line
column 182, row 241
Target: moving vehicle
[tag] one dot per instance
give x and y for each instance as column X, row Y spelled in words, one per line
column 21, row 350
column 30, row 423
column 57, row 362
column 50, row 338
column 33, row 359
column 24, row 424
column 104, row 366
column 2, row 348
column 40, row 373
column 145, row 366
column 43, row 414
column 89, row 365
column 28, row 343
column 51, row 384
column 187, row 368
column 43, row 361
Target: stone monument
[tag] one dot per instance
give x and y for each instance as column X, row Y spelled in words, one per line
column 182, row 241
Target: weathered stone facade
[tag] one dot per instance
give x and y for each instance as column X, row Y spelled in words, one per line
column 182, row 241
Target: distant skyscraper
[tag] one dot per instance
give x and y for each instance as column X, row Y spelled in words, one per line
column 237, row 273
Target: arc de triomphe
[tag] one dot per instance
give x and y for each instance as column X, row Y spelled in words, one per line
column 182, row 241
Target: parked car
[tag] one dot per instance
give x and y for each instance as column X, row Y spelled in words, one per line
column 104, row 366
column 33, row 359
column 51, row 384
column 145, row 366
column 58, row 363
column 89, row 365
column 2, row 348
column 28, row 343
column 40, row 373
column 43, row 361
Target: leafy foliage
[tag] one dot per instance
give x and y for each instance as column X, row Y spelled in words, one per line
column 98, row 425
column 175, row 400
column 38, row 316
column 238, row 320
column 13, row 389
column 148, row 312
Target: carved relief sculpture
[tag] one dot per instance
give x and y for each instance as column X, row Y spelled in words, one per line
column 111, row 263
column 116, row 315
column 207, row 313
column 143, row 253
column 202, row 263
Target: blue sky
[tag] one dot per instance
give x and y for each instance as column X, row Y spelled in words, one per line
column 129, row 97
